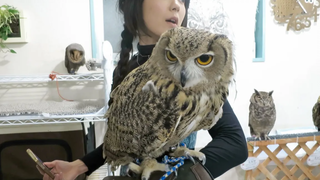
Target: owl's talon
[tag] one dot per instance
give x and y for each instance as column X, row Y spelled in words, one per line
column 267, row 137
column 176, row 173
column 183, row 151
column 258, row 138
column 148, row 166
column 204, row 160
column 128, row 171
column 189, row 157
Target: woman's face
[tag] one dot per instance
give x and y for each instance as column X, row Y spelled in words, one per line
column 160, row 16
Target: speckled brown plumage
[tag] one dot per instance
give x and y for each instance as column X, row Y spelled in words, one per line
column 154, row 108
column 316, row 114
column 262, row 114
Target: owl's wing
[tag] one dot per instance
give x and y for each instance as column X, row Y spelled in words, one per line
column 143, row 114
column 66, row 60
column 251, row 120
column 316, row 114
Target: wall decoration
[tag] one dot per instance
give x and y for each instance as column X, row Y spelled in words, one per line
column 209, row 15
column 19, row 34
column 298, row 14
column 9, row 19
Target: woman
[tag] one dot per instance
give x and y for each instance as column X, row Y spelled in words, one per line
column 147, row 20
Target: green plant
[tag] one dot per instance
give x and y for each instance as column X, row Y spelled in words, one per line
column 8, row 14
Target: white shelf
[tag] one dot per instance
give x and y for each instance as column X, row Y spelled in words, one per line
column 29, row 120
column 45, row 78
column 26, row 119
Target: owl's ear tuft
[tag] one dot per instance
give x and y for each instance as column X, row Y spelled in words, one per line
column 257, row 92
column 163, row 41
column 270, row 93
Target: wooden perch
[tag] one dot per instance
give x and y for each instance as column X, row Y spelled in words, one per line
column 299, row 163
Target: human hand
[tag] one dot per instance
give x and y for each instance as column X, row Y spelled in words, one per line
column 64, row 170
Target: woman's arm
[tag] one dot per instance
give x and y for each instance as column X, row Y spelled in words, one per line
column 93, row 160
column 228, row 147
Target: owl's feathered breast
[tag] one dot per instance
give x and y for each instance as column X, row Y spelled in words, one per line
column 261, row 111
column 139, row 122
column 261, row 117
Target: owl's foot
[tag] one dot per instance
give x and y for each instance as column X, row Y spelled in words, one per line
column 265, row 137
column 184, row 151
column 147, row 166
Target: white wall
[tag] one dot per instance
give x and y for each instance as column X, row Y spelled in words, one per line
column 291, row 69
column 51, row 26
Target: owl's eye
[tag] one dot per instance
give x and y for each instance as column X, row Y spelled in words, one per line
column 170, row 56
column 204, row 60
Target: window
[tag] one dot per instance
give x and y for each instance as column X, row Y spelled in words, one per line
column 260, row 33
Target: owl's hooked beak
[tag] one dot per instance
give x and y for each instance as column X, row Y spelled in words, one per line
column 183, row 76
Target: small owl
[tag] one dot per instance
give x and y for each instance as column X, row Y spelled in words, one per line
column 316, row 114
column 74, row 58
column 179, row 90
column 262, row 114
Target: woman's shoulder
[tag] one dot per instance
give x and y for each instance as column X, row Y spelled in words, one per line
column 132, row 63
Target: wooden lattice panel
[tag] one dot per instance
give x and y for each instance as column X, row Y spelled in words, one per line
column 281, row 165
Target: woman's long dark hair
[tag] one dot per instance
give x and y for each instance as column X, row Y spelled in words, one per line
column 133, row 20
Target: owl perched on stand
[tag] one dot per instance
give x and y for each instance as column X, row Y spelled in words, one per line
column 316, row 114
column 179, row 90
column 262, row 114
column 74, row 58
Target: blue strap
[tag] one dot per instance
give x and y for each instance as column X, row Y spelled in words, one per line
column 173, row 169
column 167, row 160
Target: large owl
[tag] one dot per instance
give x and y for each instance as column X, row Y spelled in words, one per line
column 74, row 58
column 262, row 114
column 179, row 90
column 316, row 114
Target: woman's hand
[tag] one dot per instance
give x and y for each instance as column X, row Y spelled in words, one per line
column 64, row 170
